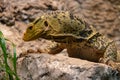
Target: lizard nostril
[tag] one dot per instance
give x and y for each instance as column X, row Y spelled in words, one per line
column 46, row 23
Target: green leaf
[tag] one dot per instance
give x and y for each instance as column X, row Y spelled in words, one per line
column 1, row 34
column 8, row 70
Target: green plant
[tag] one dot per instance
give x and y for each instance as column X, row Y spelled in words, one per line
column 10, row 72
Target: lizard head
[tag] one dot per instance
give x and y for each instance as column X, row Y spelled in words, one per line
column 35, row 29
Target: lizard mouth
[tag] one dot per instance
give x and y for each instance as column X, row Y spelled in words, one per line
column 32, row 36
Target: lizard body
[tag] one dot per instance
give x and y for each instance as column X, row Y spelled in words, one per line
column 72, row 33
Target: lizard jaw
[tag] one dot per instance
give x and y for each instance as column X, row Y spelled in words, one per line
column 33, row 36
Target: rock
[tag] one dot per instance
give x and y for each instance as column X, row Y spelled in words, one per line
column 116, row 2
column 48, row 67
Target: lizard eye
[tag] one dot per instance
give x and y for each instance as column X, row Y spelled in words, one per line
column 30, row 27
column 46, row 23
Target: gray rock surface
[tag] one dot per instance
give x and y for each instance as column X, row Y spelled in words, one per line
column 48, row 67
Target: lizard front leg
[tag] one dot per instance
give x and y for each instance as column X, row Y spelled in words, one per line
column 52, row 48
column 110, row 56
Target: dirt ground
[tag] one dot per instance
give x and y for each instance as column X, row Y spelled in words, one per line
column 16, row 14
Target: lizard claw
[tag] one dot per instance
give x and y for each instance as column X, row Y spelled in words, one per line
column 24, row 53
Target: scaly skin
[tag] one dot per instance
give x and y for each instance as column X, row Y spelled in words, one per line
column 79, row 38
